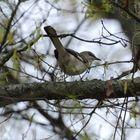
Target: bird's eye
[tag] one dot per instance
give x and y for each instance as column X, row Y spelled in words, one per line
column 91, row 54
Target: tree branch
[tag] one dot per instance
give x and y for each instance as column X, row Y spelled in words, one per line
column 94, row 89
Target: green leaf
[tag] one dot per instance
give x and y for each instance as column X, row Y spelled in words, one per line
column 106, row 66
column 16, row 62
column 125, row 87
column 31, row 119
column 10, row 37
column 133, row 112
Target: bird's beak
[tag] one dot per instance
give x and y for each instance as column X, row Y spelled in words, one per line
column 97, row 59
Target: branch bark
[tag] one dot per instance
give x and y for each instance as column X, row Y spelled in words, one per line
column 94, row 89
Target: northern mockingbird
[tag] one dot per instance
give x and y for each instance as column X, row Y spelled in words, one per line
column 70, row 61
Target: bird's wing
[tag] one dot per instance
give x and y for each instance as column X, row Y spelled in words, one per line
column 77, row 55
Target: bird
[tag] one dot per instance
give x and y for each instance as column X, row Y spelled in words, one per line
column 71, row 62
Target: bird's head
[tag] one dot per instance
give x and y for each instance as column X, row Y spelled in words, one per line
column 89, row 56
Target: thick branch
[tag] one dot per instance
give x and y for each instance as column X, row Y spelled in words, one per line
column 94, row 89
